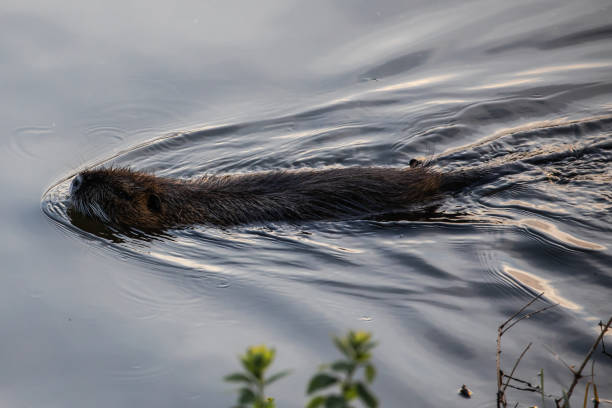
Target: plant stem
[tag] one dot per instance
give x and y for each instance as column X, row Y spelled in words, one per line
column 578, row 373
column 542, row 385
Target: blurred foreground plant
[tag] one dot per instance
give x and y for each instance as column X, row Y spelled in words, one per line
column 355, row 347
column 255, row 362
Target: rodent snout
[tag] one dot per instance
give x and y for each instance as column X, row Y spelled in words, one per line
column 76, row 183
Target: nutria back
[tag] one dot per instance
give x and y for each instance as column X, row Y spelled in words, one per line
column 144, row 201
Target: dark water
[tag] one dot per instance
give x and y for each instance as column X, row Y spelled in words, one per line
column 96, row 318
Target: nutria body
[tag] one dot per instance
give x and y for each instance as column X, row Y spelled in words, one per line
column 144, row 201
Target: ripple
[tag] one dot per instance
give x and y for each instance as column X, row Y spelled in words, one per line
column 156, row 298
column 560, row 128
column 144, row 111
column 389, row 261
column 148, row 371
column 106, row 132
column 25, row 141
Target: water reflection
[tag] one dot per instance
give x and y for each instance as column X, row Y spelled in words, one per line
column 553, row 232
column 538, row 285
column 561, row 68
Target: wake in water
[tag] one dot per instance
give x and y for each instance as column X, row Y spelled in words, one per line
column 554, row 152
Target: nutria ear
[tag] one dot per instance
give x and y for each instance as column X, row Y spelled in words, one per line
column 154, row 203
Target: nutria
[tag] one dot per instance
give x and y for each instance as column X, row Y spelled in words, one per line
column 141, row 200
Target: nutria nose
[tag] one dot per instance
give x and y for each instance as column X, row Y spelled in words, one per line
column 76, row 183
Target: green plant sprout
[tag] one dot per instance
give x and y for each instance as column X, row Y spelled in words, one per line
column 355, row 347
column 255, row 363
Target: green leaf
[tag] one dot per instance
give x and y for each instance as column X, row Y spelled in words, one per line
column 366, row 396
column 246, row 396
column 370, row 373
column 257, row 359
column 343, row 347
column 342, row 365
column 359, row 338
column 276, row 376
column 316, row 402
column 367, row 347
column 335, row 401
column 237, row 377
column 371, row 344
column 349, row 393
column 362, row 357
column 320, row 381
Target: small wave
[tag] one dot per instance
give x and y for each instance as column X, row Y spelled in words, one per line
column 24, row 141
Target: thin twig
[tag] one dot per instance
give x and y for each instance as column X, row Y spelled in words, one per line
column 516, row 363
column 501, row 397
column 542, row 386
column 523, row 388
column 595, row 394
column 521, row 309
column 528, row 315
column 558, row 357
column 522, row 381
column 603, row 343
column 578, row 373
column 529, row 387
column 588, row 356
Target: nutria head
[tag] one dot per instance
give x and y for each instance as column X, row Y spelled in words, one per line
column 118, row 196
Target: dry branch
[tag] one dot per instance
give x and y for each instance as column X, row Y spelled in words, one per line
column 578, row 373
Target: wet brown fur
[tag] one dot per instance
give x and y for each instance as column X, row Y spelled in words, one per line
column 144, row 201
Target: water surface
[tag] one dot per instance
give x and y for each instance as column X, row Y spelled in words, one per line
column 100, row 318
